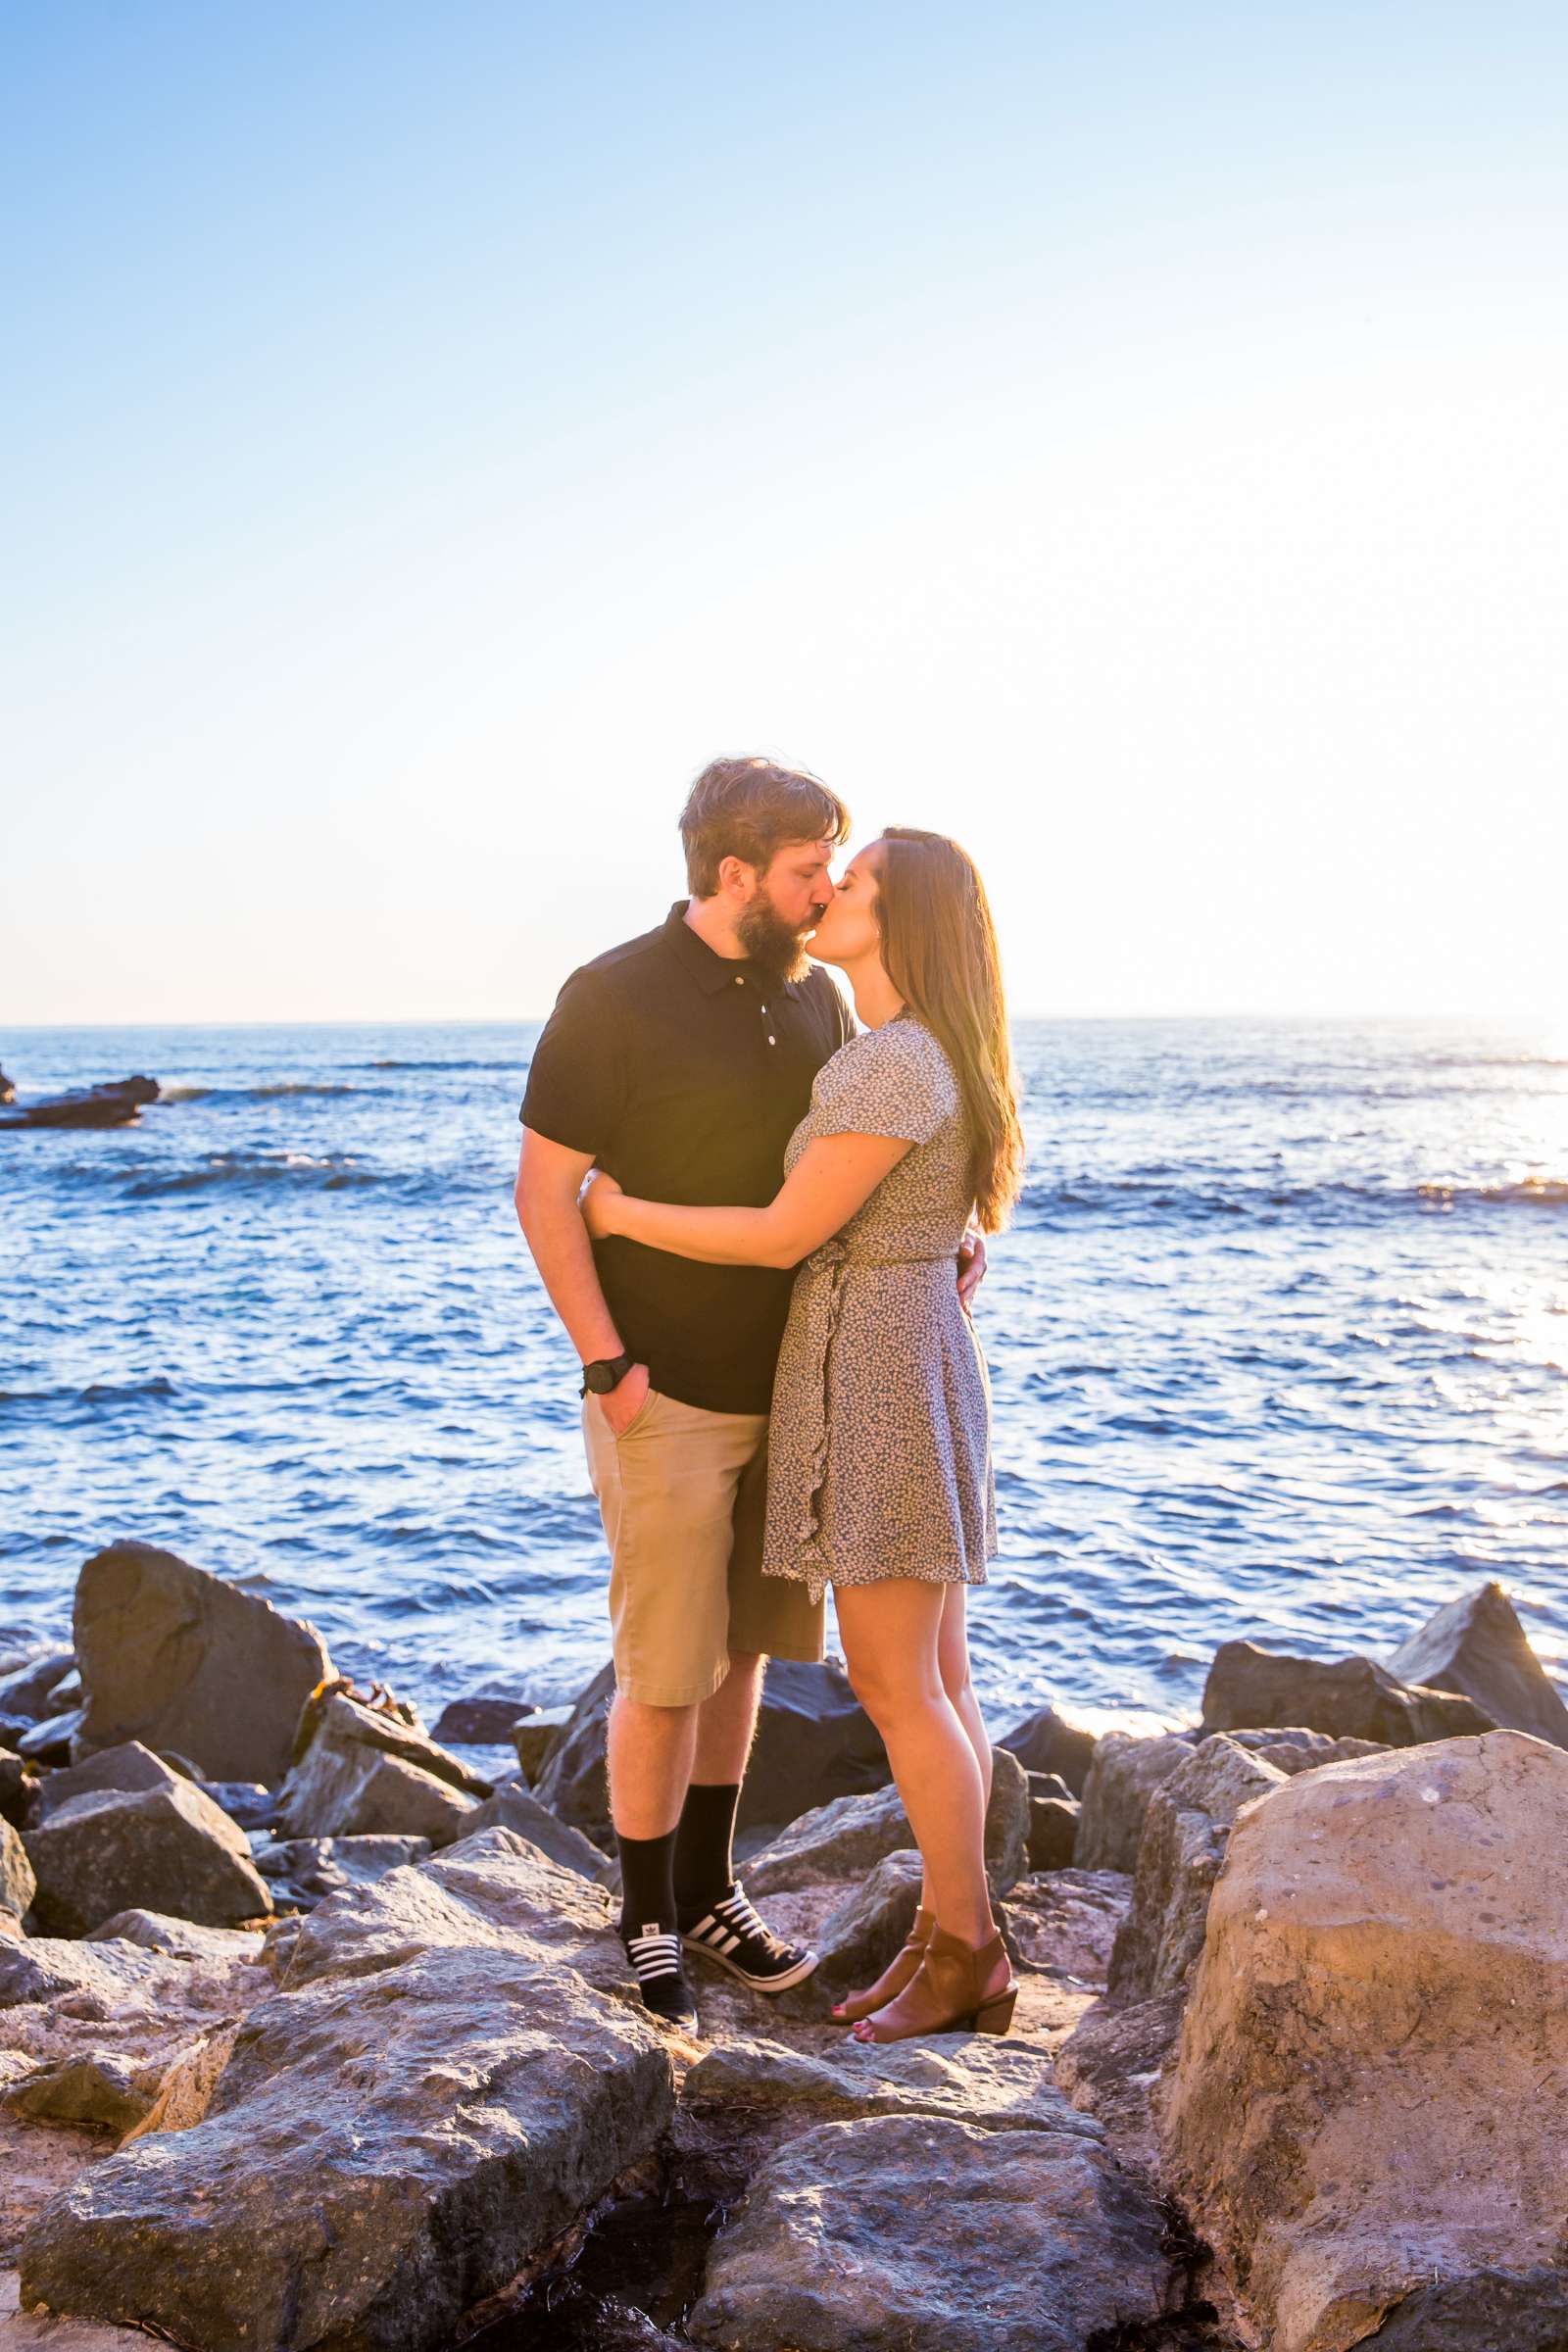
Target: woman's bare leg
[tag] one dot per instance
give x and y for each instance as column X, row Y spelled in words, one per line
column 890, row 1632
column 952, row 1661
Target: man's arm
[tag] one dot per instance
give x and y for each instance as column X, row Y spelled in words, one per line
column 549, row 1179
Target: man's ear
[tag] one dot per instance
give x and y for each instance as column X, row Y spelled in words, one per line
column 736, row 878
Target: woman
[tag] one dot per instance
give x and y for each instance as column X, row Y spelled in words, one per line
column 879, row 1478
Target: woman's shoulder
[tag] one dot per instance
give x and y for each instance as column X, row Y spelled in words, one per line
column 902, row 1056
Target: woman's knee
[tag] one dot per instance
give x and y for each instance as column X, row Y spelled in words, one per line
column 890, row 1696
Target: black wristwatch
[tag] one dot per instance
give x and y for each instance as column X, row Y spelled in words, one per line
column 604, row 1375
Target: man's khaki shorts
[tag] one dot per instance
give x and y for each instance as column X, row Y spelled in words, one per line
column 683, row 1495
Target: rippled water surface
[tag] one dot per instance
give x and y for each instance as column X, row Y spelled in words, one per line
column 1278, row 1343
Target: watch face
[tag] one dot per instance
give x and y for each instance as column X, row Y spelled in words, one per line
column 599, row 1379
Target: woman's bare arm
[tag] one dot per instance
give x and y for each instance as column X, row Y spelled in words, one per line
column 832, row 1179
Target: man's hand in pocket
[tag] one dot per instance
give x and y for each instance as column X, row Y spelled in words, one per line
column 625, row 1400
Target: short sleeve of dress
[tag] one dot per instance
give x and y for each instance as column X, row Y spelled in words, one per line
column 575, row 1089
column 895, row 1080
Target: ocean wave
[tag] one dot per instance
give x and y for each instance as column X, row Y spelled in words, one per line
column 331, row 1173
column 513, row 1062
column 1147, row 1197
column 252, row 1093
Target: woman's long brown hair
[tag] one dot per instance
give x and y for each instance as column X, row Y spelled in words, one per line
column 939, row 945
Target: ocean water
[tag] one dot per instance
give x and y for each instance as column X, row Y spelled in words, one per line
column 1279, row 1345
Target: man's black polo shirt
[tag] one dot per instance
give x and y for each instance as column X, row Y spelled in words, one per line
column 685, row 1074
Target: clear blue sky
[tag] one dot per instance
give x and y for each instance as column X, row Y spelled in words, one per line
column 1132, row 437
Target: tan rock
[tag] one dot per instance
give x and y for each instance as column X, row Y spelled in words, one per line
column 1369, row 2102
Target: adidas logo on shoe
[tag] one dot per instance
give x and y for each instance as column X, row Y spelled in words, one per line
column 733, row 1936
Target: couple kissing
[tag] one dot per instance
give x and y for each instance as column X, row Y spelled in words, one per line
column 760, row 1221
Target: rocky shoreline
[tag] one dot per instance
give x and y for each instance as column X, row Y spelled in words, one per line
column 312, row 2032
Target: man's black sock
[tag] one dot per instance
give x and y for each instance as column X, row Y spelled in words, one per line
column 647, row 1882
column 705, row 1867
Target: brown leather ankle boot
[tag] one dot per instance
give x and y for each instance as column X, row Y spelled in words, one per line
column 894, row 1978
column 951, row 1992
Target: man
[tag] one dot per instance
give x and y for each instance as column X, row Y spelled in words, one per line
column 681, row 1062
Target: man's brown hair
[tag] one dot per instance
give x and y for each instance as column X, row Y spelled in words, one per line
column 748, row 808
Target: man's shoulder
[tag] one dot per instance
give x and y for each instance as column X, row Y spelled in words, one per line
column 823, row 993
column 619, row 969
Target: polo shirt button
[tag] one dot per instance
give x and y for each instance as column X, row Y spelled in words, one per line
column 740, row 980
column 772, row 1041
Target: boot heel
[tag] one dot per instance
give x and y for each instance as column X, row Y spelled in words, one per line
column 994, row 2017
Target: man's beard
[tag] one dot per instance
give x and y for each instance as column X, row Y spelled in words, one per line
column 772, row 942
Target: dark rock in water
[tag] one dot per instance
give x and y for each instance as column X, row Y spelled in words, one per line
column 157, row 1849
column 1123, row 1777
column 114, row 1103
column 97, row 2089
column 1477, row 1646
column 50, row 1740
column 923, row 2234
column 1352, row 1698
column 178, row 1658
column 481, row 1721
column 24, row 1695
column 1053, row 1831
column 1046, row 1741
column 8, row 1093
column 815, row 1742
column 397, row 2132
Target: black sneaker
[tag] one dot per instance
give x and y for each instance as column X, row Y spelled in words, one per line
column 654, row 1957
column 732, row 1935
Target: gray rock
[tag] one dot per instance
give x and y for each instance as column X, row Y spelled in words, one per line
column 851, row 1836
column 1294, row 1749
column 1046, row 1741
column 1477, row 1646
column 1111, row 2066
column 920, row 2234
column 814, row 1742
column 15, row 1783
column 26, row 1691
column 1053, row 1831
column 177, row 1658
column 861, row 1938
column 358, row 1771
column 515, row 1807
column 536, row 1740
column 377, row 2157
column 1186, row 1830
column 481, row 1721
column 155, row 1849
column 1493, row 2310
column 1348, row 1697
column 1125, row 1773
column 96, row 2089
column 248, row 1802
column 306, row 1870
column 45, row 1967
column 157, row 1931
column 51, row 1740
column 1002, row 2084
column 17, row 1882
column 128, row 1766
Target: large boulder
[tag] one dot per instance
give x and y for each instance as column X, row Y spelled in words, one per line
column 1477, row 1646
column 1002, row 2084
column 861, row 1937
column 926, row 2234
column 815, row 1742
column 516, row 1807
column 395, row 2134
column 358, row 1771
column 1186, row 1830
column 848, row 1837
column 1123, row 1777
column 127, row 1767
column 17, row 1879
column 1369, row 2104
column 177, row 1658
column 1348, row 1697
column 167, row 1848
column 1046, row 1741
